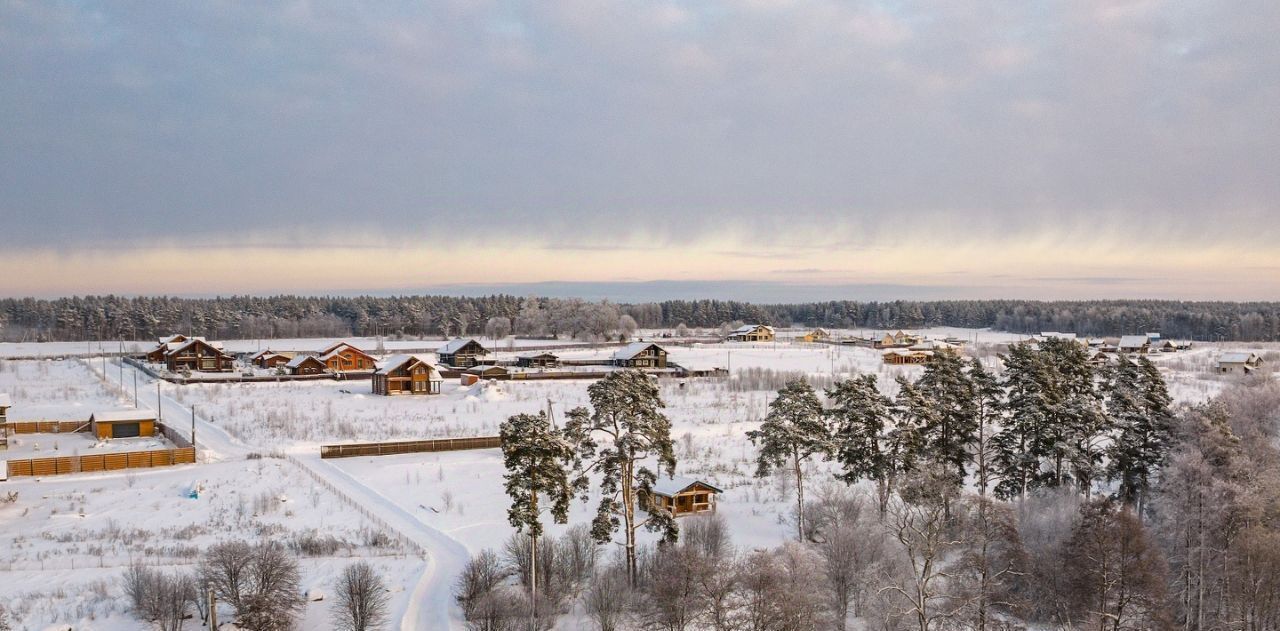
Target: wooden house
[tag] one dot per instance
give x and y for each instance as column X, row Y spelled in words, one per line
column 5, row 404
column 196, row 354
column 751, row 333
column 898, row 339
column 461, row 352
column 122, row 424
column 816, row 335
column 901, row 357
column 269, row 359
column 306, row 365
column 1134, row 344
column 483, row 371
column 1239, row 362
column 641, row 355
column 683, row 496
column 167, row 345
column 343, row 357
column 407, row 374
column 538, row 360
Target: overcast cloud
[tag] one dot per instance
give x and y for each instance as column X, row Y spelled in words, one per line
column 585, row 124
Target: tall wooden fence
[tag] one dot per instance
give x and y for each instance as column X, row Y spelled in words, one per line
column 409, row 447
column 47, row 427
column 184, row 453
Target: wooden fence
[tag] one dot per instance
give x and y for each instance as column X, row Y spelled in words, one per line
column 409, row 447
column 47, row 427
column 184, row 453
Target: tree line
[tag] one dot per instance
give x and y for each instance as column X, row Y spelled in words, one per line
column 250, row 317
column 1054, row 494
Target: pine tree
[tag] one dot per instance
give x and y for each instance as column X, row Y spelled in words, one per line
column 538, row 460
column 1138, row 404
column 861, row 417
column 942, row 402
column 1016, row 458
column 988, row 399
column 626, row 411
column 793, row 431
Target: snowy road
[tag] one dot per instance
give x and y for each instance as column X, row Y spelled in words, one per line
column 430, row 604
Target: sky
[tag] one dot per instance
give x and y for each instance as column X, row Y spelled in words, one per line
column 754, row 149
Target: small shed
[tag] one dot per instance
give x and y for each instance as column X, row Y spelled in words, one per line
column 306, row 365
column 538, row 360
column 122, row 424
column 683, row 496
column 487, row 371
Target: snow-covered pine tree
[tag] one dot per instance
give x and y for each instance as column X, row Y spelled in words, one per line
column 626, row 413
column 861, row 417
column 794, row 430
column 1016, row 461
column 539, row 459
column 1138, row 404
column 942, row 401
column 988, row 399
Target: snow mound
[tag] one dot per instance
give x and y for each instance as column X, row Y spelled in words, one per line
column 487, row 391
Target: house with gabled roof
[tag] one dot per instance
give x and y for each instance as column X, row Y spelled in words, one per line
column 640, row 355
column 751, row 333
column 681, row 496
column 1239, row 362
column 1134, row 344
column 461, row 352
column 127, row 423
column 345, row 357
column 543, row 359
column 407, row 374
column 198, row 355
column 269, row 359
column 306, row 365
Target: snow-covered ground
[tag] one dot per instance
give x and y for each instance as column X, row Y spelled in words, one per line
column 76, row 444
column 446, row 503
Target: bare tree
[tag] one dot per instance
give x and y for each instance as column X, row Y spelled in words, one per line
column 361, row 603
column 176, row 591
column 270, row 590
column 917, row 521
column 224, row 568
column 608, row 600
column 1115, row 576
column 497, row 328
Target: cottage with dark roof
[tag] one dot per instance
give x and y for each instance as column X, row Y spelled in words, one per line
column 407, row 374
column 461, row 352
column 681, row 496
column 640, row 355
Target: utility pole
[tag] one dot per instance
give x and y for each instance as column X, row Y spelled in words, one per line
column 159, row 404
column 135, row 389
column 213, row 610
column 193, row 426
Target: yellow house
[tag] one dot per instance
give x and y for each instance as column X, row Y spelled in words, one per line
column 751, row 333
column 816, row 335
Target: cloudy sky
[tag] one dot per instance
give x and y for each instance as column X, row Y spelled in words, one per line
column 920, row 149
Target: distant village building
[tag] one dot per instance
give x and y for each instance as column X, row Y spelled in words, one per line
column 122, row 424
column 901, row 356
column 1239, row 362
column 461, row 352
column 640, row 355
column 751, row 333
column 480, row 372
column 167, row 344
column 306, row 365
column 1054, row 335
column 198, row 355
column 898, row 339
column 538, row 360
column 5, row 404
column 344, row 357
column 681, row 496
column 816, row 335
column 269, row 359
column 1134, row 344
column 407, row 374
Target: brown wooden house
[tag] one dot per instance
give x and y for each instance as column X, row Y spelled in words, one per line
column 196, row 354
column 538, row 360
column 407, row 374
column 641, row 355
column 306, row 365
column 343, row 357
column 167, row 344
column 683, row 496
column 461, row 352
column 122, row 424
column 899, row 357
column 269, row 359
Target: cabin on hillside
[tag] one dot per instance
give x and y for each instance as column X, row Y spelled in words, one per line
column 407, row 374
column 344, row 357
column 269, row 359
column 1239, row 362
column 122, row 424
column 1134, row 344
column 640, row 355
column 681, row 496
column 461, row 352
column 751, row 333
column 538, row 360
column 5, row 404
column 306, row 365
column 198, row 355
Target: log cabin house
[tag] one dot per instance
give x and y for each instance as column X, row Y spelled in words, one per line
column 167, row 344
column 269, row 359
column 751, row 333
column 816, row 335
column 538, row 360
column 640, row 355
column 122, row 424
column 198, row 355
column 1135, row 344
column 344, row 357
column 306, row 365
column 461, row 352
column 898, row 339
column 478, row 373
column 407, row 374
column 5, row 404
column 903, row 357
column 681, row 496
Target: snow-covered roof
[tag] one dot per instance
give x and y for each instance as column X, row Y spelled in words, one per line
column 299, row 359
column 4, row 400
column 1236, row 358
column 180, row 346
column 1133, row 341
column 1055, row 334
column 670, row 486
column 122, row 416
column 483, row 368
column 456, row 345
column 631, row 350
column 332, row 349
column 537, row 354
column 396, row 361
column 747, row 328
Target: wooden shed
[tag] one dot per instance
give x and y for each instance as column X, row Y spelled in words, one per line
column 641, row 355
column 683, row 496
column 306, row 365
column 461, row 352
column 538, row 360
column 122, row 424
column 407, row 374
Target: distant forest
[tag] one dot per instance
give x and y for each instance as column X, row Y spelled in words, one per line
column 247, row 317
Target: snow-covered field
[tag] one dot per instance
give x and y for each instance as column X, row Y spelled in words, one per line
column 65, row 541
